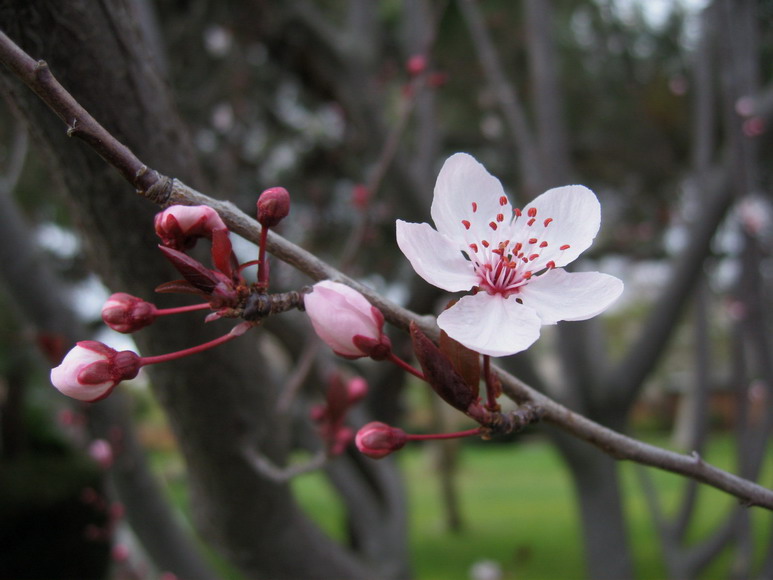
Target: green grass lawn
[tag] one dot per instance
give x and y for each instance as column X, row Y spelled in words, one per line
column 518, row 509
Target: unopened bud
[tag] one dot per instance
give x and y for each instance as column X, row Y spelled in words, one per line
column 416, row 64
column 91, row 370
column 273, row 206
column 356, row 388
column 377, row 440
column 179, row 226
column 126, row 313
column 102, row 452
column 346, row 321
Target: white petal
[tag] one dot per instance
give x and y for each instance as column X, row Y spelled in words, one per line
column 491, row 325
column 575, row 215
column 561, row 295
column 434, row 257
column 461, row 182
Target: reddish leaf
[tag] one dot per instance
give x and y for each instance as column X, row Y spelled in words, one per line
column 192, row 270
column 179, row 287
column 222, row 253
column 465, row 361
column 440, row 372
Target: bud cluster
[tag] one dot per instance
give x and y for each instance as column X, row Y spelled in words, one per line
column 91, row 370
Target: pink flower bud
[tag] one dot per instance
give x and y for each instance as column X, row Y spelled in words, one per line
column 416, row 64
column 346, row 321
column 273, row 206
column 126, row 313
column 91, row 370
column 377, row 440
column 357, row 388
column 102, row 452
column 179, row 226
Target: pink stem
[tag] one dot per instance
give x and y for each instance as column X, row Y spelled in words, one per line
column 262, row 266
column 406, row 367
column 150, row 360
column 248, row 264
column 179, row 309
column 455, row 435
column 491, row 395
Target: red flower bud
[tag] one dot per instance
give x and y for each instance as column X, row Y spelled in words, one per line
column 179, row 226
column 377, row 440
column 416, row 64
column 273, row 206
column 126, row 313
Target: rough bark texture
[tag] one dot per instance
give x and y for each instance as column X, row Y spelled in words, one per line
column 216, row 402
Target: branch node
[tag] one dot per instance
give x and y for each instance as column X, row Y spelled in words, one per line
column 71, row 128
column 160, row 192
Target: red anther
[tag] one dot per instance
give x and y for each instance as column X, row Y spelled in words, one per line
column 565, row 247
column 499, row 251
column 543, row 245
column 550, row 265
column 474, row 207
column 517, row 247
column 532, row 211
column 533, row 257
column 503, row 200
column 493, row 225
column 474, row 247
column 517, row 212
column 532, row 240
column 466, row 224
column 547, row 221
column 500, row 217
column 485, row 243
column 531, row 222
column 527, row 274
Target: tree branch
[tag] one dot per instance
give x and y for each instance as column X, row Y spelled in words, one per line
column 165, row 191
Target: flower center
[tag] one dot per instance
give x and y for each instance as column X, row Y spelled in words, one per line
column 512, row 253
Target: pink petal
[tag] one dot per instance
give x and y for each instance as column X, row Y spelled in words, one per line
column 561, row 295
column 491, row 325
column 573, row 216
column 338, row 314
column 462, row 182
column 435, row 258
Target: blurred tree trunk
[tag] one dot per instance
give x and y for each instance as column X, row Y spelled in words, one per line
column 594, row 474
column 218, row 402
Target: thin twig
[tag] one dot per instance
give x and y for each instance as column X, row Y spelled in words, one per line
column 166, row 191
column 506, row 95
column 272, row 471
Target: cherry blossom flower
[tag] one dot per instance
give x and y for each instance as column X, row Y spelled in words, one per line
column 511, row 259
column 346, row 321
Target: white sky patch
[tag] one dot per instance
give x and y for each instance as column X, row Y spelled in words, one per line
column 57, row 240
column 657, row 11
